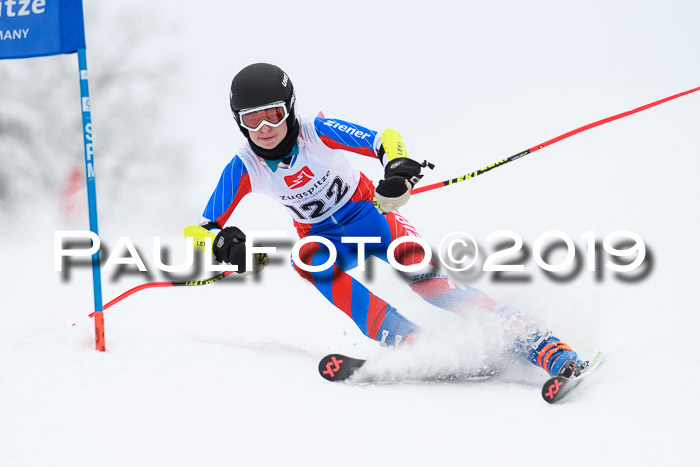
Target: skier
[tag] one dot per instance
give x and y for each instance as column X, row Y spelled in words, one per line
column 300, row 163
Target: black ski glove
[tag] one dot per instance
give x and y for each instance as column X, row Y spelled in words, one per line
column 229, row 247
column 400, row 175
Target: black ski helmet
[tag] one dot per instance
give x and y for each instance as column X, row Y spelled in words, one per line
column 261, row 84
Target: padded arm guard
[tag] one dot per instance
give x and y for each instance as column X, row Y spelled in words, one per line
column 392, row 147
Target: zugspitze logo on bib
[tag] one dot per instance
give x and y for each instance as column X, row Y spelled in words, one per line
column 299, row 179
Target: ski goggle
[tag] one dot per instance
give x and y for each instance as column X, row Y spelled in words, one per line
column 272, row 114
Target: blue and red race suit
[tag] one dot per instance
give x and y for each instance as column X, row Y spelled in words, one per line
column 326, row 196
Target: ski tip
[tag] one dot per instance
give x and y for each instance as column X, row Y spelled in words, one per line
column 336, row 367
column 553, row 389
column 559, row 386
column 597, row 359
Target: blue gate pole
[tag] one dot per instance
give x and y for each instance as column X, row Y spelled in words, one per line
column 92, row 198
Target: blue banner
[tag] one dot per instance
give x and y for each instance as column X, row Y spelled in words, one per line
column 32, row 28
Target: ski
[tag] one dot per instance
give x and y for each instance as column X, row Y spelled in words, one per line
column 336, row 367
column 557, row 387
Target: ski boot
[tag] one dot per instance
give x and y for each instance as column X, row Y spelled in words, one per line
column 573, row 368
column 552, row 355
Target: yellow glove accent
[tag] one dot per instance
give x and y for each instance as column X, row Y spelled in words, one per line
column 199, row 234
column 393, row 145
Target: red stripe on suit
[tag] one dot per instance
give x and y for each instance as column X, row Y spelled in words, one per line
column 243, row 189
column 375, row 315
column 342, row 290
column 333, row 144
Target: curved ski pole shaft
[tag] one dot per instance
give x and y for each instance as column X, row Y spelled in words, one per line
column 198, row 234
column 150, row 285
column 547, row 143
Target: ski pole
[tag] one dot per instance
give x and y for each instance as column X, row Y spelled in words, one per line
column 198, row 234
column 524, row 153
column 163, row 284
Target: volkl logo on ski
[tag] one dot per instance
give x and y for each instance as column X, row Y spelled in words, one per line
column 553, row 388
column 332, row 366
